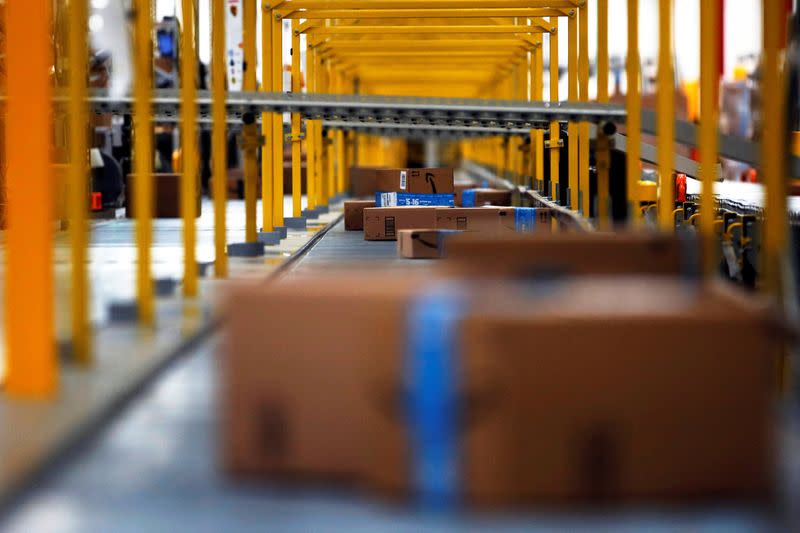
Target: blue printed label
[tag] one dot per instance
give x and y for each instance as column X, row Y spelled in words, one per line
column 525, row 219
column 395, row 199
column 468, row 198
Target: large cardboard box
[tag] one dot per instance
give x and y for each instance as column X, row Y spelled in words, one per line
column 383, row 223
column 415, row 180
column 354, row 213
column 166, row 196
column 598, row 390
column 570, row 254
column 459, row 188
column 494, row 220
column 481, row 197
column 421, row 243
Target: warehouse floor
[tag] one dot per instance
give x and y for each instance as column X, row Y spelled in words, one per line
column 154, row 469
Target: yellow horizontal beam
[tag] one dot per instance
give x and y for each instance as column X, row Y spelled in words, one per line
column 292, row 13
column 422, row 53
column 539, row 27
column 427, row 4
column 431, row 44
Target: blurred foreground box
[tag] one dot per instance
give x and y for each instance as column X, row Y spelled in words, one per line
column 502, row 393
column 422, row 243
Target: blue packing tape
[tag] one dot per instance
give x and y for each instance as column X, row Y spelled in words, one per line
column 468, row 198
column 525, row 219
column 432, row 379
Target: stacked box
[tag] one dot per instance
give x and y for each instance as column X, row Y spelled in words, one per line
column 507, row 393
column 494, row 221
column 482, row 197
column 384, row 223
column 166, row 196
column 354, row 214
column 414, row 187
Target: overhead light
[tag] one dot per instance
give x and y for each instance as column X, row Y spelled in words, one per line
column 95, row 23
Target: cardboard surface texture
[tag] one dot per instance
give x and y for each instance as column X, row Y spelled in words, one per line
column 415, row 180
column 354, row 213
column 383, row 223
column 363, row 182
column 492, row 221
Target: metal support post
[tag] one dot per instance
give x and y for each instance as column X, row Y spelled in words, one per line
column 267, row 206
column 709, row 84
column 583, row 91
column 572, row 95
column 218, row 141
column 633, row 106
column 666, row 120
column 603, row 147
column 554, row 126
column 189, row 149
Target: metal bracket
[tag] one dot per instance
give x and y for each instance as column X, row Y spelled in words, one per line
column 559, row 144
column 294, row 138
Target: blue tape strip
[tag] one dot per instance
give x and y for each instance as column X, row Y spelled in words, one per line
column 431, row 374
column 417, row 199
column 525, row 219
column 468, row 198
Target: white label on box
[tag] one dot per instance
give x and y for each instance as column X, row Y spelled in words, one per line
column 403, row 180
column 388, row 199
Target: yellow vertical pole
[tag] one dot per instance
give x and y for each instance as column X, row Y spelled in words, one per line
column 297, row 193
column 189, row 149
column 603, row 155
column 321, row 86
column 277, row 120
column 266, row 120
column 538, row 96
column 583, row 91
column 339, row 141
column 249, row 134
column 143, row 157
column 709, row 80
column 665, row 106
column 218, row 141
column 554, row 126
column 311, row 136
column 572, row 95
column 772, row 149
column 633, row 106
column 78, row 182
column 31, row 366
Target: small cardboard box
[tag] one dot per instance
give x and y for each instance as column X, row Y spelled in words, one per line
column 166, row 196
column 415, row 180
column 570, row 254
column 354, row 214
column 383, row 223
column 421, row 243
column 482, row 197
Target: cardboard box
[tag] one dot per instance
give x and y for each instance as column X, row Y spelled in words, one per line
column 517, row 255
column 354, row 214
column 421, row 243
column 482, row 197
column 415, row 180
column 598, row 390
column 383, row 223
column 166, row 196
column 459, row 188
column 494, row 220
column 363, row 182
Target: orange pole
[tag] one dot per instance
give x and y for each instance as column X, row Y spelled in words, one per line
column 30, row 343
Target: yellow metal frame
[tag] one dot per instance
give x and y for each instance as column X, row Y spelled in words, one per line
column 78, row 181
column 633, row 107
column 665, row 102
column 218, row 141
column 189, row 148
